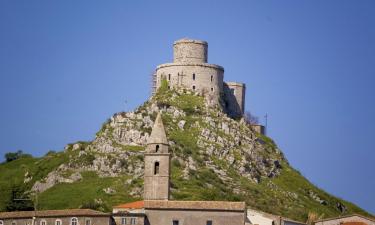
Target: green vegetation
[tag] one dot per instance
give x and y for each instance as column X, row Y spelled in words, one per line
column 286, row 194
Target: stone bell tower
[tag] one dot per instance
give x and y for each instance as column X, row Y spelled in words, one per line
column 157, row 164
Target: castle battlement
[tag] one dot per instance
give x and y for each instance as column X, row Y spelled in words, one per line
column 191, row 70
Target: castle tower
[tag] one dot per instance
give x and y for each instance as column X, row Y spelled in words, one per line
column 234, row 93
column 157, row 164
column 190, row 69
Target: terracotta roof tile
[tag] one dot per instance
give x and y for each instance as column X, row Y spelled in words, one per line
column 131, row 205
column 208, row 205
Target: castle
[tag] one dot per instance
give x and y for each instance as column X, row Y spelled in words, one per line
column 190, row 70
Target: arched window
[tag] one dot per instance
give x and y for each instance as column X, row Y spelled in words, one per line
column 43, row 222
column 169, row 76
column 212, row 89
column 88, row 222
column 193, row 76
column 58, row 222
column 156, row 169
column 74, row 221
column 193, row 87
column 1, row 222
column 212, row 78
column 157, row 148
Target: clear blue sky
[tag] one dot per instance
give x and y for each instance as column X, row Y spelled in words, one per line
column 67, row 66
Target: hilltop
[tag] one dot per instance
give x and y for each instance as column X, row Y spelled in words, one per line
column 214, row 157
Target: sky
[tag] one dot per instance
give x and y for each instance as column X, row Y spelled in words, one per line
column 67, row 66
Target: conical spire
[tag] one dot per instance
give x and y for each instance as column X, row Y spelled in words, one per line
column 158, row 133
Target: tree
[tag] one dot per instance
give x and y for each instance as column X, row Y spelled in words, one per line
column 10, row 156
column 17, row 200
column 250, row 118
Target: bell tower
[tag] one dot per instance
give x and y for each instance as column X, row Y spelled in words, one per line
column 157, row 164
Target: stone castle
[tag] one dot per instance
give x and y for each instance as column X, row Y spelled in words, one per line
column 190, row 70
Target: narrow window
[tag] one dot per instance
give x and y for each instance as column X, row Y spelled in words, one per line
column 175, row 222
column 212, row 89
column 193, row 87
column 156, row 168
column 1, row 222
column 193, row 76
column 169, row 76
column 157, row 148
column 209, row 222
column 132, row 220
column 14, row 223
column 212, row 78
column 74, row 221
column 43, row 222
column 123, row 220
column 88, row 222
column 58, row 222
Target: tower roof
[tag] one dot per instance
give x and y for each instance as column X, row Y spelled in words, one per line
column 158, row 132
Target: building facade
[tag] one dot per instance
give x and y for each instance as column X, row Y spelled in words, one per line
column 56, row 217
column 190, row 70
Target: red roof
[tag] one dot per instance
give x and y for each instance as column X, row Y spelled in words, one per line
column 132, row 205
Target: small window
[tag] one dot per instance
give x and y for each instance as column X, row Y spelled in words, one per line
column 156, row 168
column 14, row 223
column 157, row 148
column 169, row 76
column 1, row 222
column 43, row 222
column 175, row 222
column 74, row 221
column 88, row 222
column 212, row 78
column 123, row 220
column 132, row 220
column 193, row 87
column 193, row 76
column 58, row 222
column 212, row 89
column 209, row 222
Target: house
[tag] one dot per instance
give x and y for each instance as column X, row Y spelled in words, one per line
column 347, row 220
column 56, row 217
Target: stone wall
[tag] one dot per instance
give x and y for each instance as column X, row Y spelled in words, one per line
column 190, row 51
column 235, row 98
column 194, row 217
column 156, row 186
column 203, row 78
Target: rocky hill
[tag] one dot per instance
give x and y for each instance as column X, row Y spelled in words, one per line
column 214, row 157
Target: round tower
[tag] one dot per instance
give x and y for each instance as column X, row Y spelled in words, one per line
column 190, row 51
column 190, row 70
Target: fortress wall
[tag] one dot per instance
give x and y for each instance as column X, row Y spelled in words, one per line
column 208, row 77
column 190, row 51
column 235, row 97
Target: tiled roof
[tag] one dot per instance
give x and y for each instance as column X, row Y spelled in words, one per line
column 131, row 205
column 199, row 205
column 51, row 213
column 345, row 216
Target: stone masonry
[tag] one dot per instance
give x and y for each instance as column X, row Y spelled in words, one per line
column 190, row 70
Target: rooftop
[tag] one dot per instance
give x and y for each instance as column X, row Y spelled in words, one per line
column 195, row 205
column 132, row 205
column 346, row 216
column 189, row 40
column 51, row 213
